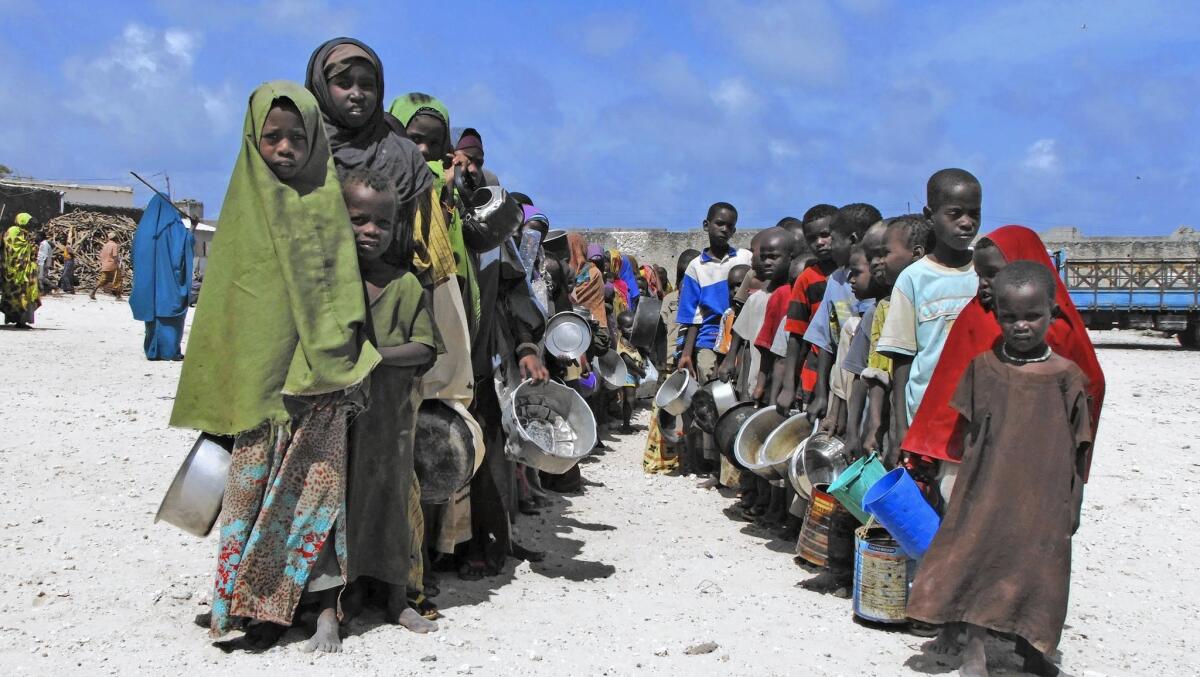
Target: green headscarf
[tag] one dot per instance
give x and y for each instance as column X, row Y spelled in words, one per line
column 282, row 306
column 405, row 108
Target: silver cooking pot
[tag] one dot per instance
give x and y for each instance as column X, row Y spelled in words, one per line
column 193, row 501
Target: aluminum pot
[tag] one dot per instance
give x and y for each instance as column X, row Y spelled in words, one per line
column 675, row 394
column 568, row 335
column 723, row 394
column 492, row 216
column 747, row 446
column 645, row 322
column 785, row 442
column 565, row 402
column 193, row 501
column 612, row 370
column 444, row 453
column 555, row 244
column 728, row 426
column 668, row 427
column 821, row 460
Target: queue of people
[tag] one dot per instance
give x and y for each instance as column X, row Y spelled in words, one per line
column 910, row 339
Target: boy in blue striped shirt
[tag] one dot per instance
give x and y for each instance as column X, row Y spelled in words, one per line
column 704, row 298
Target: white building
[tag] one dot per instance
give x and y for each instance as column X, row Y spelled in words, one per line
column 88, row 194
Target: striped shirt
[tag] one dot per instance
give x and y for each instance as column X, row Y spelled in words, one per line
column 704, row 294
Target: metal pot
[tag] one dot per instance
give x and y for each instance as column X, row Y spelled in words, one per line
column 564, row 402
column 675, row 395
column 821, row 460
column 444, row 453
column 491, row 217
column 612, row 370
column 785, row 442
column 668, row 427
column 193, row 501
column 568, row 335
column 747, row 446
column 723, row 394
column 645, row 322
column 728, row 426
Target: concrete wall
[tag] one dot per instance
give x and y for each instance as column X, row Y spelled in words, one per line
column 662, row 247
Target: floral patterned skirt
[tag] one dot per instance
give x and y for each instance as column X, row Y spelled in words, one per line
column 285, row 494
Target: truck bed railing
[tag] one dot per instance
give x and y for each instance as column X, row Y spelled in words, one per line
column 1122, row 284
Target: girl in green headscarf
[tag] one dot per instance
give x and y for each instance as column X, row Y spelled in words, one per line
column 19, row 289
column 275, row 358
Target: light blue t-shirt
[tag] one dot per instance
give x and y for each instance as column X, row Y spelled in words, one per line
column 838, row 305
column 926, row 300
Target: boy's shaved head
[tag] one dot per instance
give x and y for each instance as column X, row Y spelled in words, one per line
column 916, row 228
column 718, row 206
column 737, row 274
column 1026, row 273
column 776, row 237
column 854, row 219
column 945, row 180
column 819, row 212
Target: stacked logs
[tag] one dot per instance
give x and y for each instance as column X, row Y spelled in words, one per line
column 85, row 233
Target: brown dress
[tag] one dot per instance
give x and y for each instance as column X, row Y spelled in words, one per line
column 1002, row 557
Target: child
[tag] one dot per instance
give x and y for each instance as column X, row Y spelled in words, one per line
column 703, row 298
column 273, row 358
column 929, row 294
column 737, row 275
column 838, row 306
column 661, row 454
column 807, row 291
column 855, row 340
column 635, row 365
column 1001, row 560
column 380, row 471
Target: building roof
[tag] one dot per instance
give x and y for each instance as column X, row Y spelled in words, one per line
column 62, row 185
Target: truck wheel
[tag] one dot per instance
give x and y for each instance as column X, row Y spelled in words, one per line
column 1190, row 338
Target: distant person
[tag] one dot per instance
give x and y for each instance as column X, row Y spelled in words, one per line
column 162, row 277
column 66, row 283
column 45, row 257
column 110, row 268
column 19, row 293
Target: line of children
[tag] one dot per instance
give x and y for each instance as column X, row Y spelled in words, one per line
column 951, row 357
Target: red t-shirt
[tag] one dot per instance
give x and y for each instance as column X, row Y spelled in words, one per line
column 805, row 302
column 776, row 312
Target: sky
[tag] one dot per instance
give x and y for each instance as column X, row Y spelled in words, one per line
column 635, row 114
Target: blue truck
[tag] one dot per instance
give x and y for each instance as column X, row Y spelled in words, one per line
column 1158, row 294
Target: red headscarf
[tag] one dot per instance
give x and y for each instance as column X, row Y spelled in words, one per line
column 932, row 432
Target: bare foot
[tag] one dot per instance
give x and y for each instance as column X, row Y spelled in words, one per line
column 946, row 642
column 415, row 622
column 326, row 638
column 827, row 583
column 974, row 658
column 1037, row 663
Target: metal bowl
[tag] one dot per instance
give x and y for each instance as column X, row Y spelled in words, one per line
column 193, row 501
column 675, row 395
column 564, row 402
column 821, row 460
column 728, row 426
column 747, row 446
column 645, row 322
column 568, row 335
column 723, row 394
column 444, row 452
column 555, row 243
column 668, row 427
column 612, row 370
column 784, row 442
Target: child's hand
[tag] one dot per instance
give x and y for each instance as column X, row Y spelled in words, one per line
column 817, row 408
column 785, row 401
column 725, row 370
column 685, row 364
column 532, row 368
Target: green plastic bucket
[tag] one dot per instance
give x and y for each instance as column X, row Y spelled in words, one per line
column 850, row 486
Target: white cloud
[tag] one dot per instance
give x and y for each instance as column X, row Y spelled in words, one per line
column 143, row 82
column 1043, row 156
column 798, row 42
column 605, row 34
column 734, row 95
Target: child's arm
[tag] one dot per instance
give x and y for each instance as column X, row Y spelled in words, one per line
column 817, row 407
column 900, row 366
column 410, row 354
column 797, row 348
column 765, row 383
column 834, row 422
column 872, row 427
column 729, row 362
column 854, row 418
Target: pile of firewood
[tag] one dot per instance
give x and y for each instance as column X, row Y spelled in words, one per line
column 85, row 233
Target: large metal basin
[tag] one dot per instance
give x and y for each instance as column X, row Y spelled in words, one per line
column 193, row 501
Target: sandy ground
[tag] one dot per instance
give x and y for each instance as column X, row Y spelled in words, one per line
column 638, row 570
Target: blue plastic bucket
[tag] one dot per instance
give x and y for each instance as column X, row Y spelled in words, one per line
column 896, row 502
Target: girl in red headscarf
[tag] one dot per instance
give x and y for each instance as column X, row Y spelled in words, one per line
column 932, row 432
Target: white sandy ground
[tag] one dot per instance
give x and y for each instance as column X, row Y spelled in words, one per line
column 638, row 569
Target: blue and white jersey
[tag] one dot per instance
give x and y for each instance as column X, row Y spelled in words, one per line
column 704, row 294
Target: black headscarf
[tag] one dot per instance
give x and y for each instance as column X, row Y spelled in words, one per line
column 381, row 143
